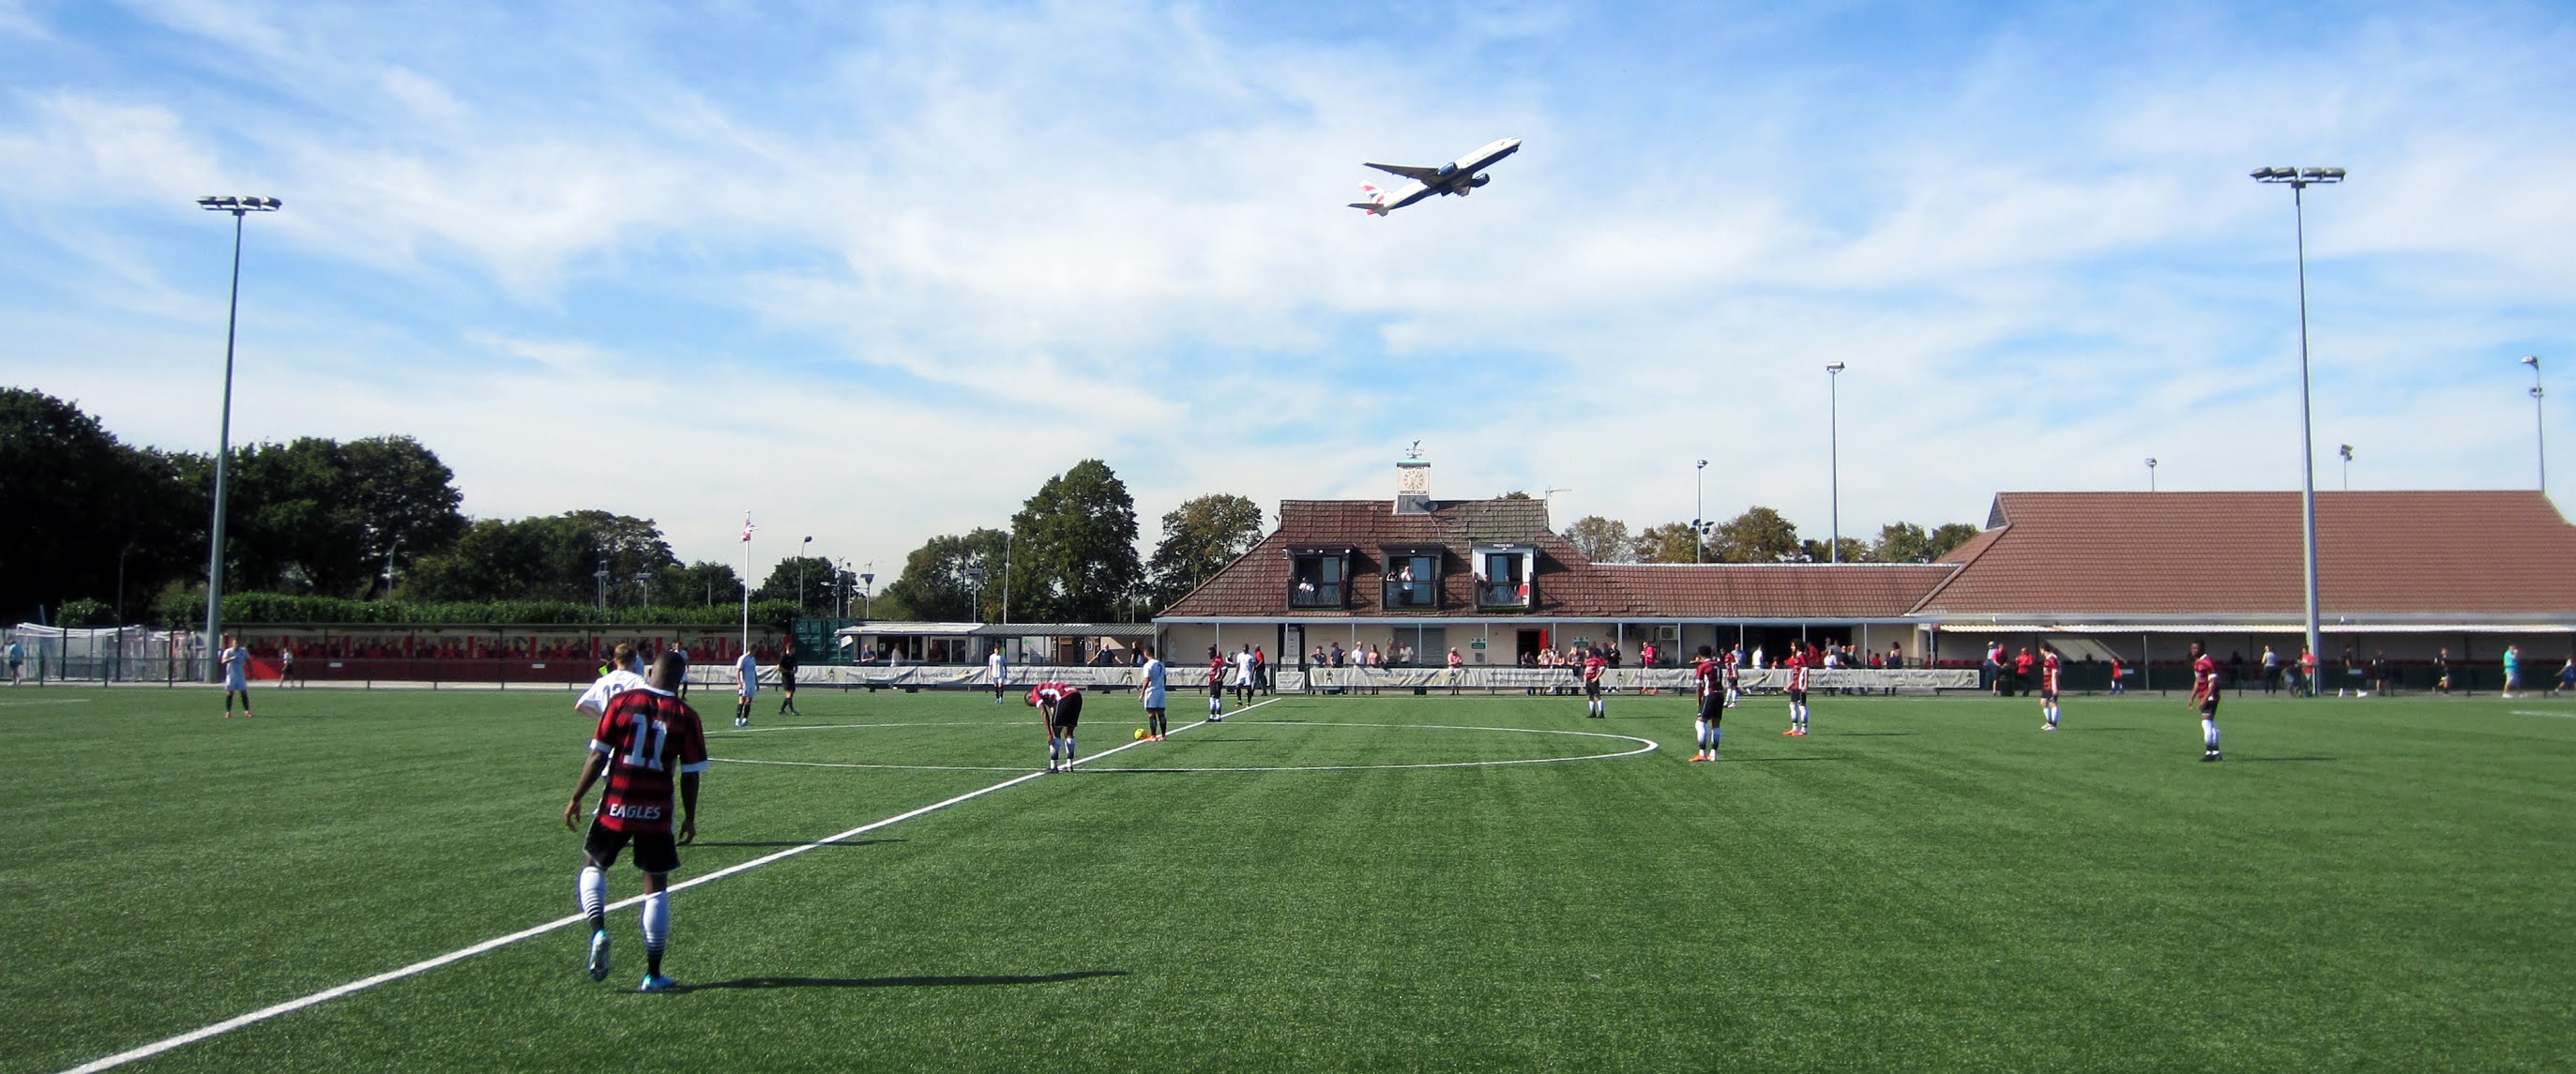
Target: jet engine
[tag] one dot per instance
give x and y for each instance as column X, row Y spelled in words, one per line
column 1446, row 170
column 1480, row 180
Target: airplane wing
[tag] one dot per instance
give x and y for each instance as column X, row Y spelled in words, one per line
column 1419, row 175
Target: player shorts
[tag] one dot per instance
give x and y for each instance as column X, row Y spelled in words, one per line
column 1797, row 697
column 748, row 689
column 787, row 681
column 1591, row 687
column 1154, row 698
column 2209, row 706
column 2048, row 695
column 1216, row 686
column 655, row 852
column 1712, row 708
column 1068, row 712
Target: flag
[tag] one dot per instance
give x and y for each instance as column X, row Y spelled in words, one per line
column 747, row 527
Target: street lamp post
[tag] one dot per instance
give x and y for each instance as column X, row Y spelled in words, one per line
column 1699, row 509
column 2298, row 180
column 1833, row 452
column 2151, row 473
column 975, row 578
column 801, row 550
column 2345, row 450
column 868, row 592
column 239, row 207
column 2539, row 434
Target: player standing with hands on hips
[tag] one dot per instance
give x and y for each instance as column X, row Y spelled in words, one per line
column 647, row 737
column 2204, row 693
column 1712, row 702
column 1150, row 687
column 747, row 670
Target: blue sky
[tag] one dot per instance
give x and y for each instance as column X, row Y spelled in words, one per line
column 873, row 272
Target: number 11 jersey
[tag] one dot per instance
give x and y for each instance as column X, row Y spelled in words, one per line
column 649, row 737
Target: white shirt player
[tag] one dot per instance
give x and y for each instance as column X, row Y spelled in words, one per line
column 993, row 667
column 1243, row 668
column 618, row 680
column 749, row 670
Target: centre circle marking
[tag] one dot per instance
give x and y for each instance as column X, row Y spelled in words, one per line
column 1644, row 745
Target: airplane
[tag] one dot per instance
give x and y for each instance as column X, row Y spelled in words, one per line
column 1456, row 177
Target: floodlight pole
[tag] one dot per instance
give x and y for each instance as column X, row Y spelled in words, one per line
column 2539, row 428
column 801, row 550
column 2298, row 180
column 1699, row 509
column 239, row 207
column 1834, row 453
column 2151, row 473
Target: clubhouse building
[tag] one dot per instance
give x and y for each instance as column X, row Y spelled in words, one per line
column 2096, row 575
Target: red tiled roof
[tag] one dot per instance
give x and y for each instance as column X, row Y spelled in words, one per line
column 2182, row 553
column 1257, row 584
column 1780, row 591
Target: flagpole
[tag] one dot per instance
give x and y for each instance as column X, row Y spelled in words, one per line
column 746, row 582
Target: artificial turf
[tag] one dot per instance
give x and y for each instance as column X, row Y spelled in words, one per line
column 1929, row 884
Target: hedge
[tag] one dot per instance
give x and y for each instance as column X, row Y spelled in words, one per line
column 282, row 608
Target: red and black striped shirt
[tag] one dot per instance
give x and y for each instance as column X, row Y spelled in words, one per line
column 650, row 737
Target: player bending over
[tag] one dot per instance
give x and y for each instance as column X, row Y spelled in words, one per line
column 1216, row 685
column 1712, row 702
column 646, row 737
column 1059, row 707
column 1797, row 664
column 2204, row 693
column 236, row 664
column 2048, row 687
column 1150, row 688
column 1593, row 665
column 746, row 686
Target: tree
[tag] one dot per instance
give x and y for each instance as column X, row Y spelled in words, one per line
column 1853, row 550
column 554, row 557
column 1076, row 556
column 1950, row 536
column 821, row 579
column 1759, row 535
column 318, row 516
column 936, row 584
column 1602, row 540
column 1668, row 543
column 1200, row 537
column 76, row 505
column 406, row 503
column 704, row 584
column 1516, row 494
column 1902, row 542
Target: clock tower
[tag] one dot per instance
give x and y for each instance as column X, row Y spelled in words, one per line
column 1413, row 483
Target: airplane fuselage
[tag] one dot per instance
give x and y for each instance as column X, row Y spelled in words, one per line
column 1458, row 177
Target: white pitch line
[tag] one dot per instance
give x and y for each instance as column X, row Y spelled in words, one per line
column 2534, row 712
column 1644, row 746
column 851, row 726
column 425, row 965
column 900, row 767
column 57, row 701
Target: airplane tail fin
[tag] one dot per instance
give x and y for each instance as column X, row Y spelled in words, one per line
column 1376, row 203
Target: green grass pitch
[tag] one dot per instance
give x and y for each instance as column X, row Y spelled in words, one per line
column 1928, row 884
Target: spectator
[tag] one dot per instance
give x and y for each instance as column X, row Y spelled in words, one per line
column 2271, row 670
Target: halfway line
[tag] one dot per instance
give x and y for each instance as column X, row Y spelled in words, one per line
column 425, row 965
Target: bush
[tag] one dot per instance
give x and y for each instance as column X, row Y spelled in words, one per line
column 85, row 613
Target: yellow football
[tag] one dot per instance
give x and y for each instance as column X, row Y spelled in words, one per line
column 1140, row 734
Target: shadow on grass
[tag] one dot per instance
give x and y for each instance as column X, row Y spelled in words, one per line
column 900, row 982
column 796, row 843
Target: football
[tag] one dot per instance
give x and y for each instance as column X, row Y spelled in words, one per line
column 1140, row 734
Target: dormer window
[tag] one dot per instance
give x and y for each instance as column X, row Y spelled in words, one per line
column 1318, row 577
column 1412, row 579
column 1503, row 576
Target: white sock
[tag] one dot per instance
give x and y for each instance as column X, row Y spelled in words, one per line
column 2209, row 733
column 657, row 921
column 592, row 888
column 1068, row 749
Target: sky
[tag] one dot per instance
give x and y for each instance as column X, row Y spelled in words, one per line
column 873, row 272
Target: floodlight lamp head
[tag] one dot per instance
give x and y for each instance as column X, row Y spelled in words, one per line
column 1703, row 464
column 1835, row 367
column 2345, row 450
column 2151, row 462
column 2532, row 360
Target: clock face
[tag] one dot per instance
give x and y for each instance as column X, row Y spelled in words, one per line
column 1413, row 479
